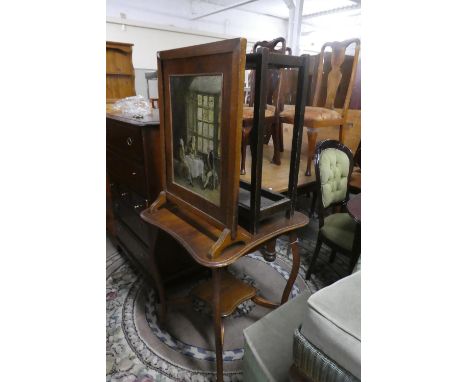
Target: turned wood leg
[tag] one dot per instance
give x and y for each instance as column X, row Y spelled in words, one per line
column 356, row 249
column 218, row 325
column 280, row 135
column 269, row 251
column 294, row 269
column 312, row 205
column 312, row 140
column 243, row 150
column 314, row 258
column 158, row 279
column 276, row 144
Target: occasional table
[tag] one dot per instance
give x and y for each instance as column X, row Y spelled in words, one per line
column 223, row 291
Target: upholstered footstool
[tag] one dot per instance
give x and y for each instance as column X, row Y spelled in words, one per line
column 327, row 346
column 268, row 342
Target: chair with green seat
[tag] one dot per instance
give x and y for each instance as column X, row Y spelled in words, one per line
column 333, row 163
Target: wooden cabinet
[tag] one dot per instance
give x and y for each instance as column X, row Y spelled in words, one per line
column 120, row 74
column 133, row 154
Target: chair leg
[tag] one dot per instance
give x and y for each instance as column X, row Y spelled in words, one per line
column 312, row 140
column 243, row 151
column 332, row 256
column 352, row 263
column 312, row 205
column 314, row 258
column 356, row 252
column 276, row 144
column 342, row 135
column 268, row 251
column 280, row 130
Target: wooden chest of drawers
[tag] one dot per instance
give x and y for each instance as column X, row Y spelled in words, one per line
column 133, row 158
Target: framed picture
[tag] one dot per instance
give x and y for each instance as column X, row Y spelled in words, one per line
column 201, row 118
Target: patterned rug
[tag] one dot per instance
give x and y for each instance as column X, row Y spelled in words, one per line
column 139, row 350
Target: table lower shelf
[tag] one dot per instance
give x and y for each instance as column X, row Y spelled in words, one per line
column 233, row 292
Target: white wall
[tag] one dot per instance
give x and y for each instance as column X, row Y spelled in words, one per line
column 180, row 13
column 149, row 41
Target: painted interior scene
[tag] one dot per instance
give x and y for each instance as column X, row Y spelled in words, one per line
column 196, row 117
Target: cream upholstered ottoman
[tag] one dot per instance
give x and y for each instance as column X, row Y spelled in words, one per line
column 327, row 346
column 269, row 342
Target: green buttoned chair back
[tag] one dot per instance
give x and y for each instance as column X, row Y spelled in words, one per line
column 333, row 167
column 334, row 173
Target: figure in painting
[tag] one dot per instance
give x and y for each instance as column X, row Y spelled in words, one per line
column 183, row 161
column 193, row 147
column 211, row 174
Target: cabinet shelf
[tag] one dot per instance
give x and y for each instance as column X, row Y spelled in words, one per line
column 120, row 74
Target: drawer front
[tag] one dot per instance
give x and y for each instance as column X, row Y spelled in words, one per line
column 125, row 139
column 121, row 192
column 127, row 172
column 129, row 212
column 134, row 247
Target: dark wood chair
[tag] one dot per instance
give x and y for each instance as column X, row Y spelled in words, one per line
column 277, row 46
column 334, row 164
column 330, row 66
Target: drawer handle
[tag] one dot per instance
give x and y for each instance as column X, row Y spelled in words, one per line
column 136, row 206
column 134, row 173
column 124, row 194
column 129, row 141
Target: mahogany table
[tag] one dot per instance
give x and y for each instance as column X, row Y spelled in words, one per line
column 223, row 291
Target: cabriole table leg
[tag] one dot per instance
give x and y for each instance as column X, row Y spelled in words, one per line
column 158, row 280
column 218, row 325
column 295, row 267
